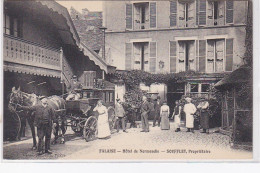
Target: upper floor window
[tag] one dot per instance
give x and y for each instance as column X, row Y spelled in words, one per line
column 141, row 15
column 215, row 13
column 141, row 56
column 187, row 13
column 215, row 55
column 186, row 55
column 212, row 55
column 192, row 13
column 12, row 26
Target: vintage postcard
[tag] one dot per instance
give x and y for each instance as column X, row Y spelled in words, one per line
column 168, row 80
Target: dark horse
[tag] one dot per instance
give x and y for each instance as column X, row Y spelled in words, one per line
column 25, row 99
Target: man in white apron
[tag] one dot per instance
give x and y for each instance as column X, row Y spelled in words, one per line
column 189, row 109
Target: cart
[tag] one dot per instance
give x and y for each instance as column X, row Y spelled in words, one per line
column 80, row 115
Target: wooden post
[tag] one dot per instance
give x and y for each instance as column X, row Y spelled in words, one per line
column 61, row 70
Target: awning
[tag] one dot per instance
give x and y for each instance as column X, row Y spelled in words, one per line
column 237, row 77
column 19, row 68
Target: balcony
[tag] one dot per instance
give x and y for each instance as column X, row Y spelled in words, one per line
column 31, row 58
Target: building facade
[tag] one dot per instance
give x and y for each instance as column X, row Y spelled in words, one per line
column 204, row 36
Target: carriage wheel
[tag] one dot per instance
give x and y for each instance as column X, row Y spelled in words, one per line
column 75, row 126
column 90, row 129
column 12, row 123
column 111, row 118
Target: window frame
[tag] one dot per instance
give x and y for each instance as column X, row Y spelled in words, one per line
column 214, row 63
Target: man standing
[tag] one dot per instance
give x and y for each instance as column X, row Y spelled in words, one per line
column 157, row 107
column 120, row 114
column 189, row 109
column 144, row 115
column 75, row 85
column 204, row 115
column 44, row 115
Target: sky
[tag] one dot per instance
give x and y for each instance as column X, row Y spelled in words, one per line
column 79, row 5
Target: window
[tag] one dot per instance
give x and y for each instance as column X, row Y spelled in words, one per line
column 141, row 56
column 205, row 87
column 12, row 26
column 215, row 55
column 194, row 88
column 186, row 59
column 141, row 15
column 215, row 13
column 186, row 14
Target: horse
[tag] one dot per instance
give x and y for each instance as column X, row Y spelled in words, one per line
column 57, row 103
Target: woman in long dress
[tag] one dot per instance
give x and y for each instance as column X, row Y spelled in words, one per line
column 102, row 124
column 177, row 116
column 164, row 113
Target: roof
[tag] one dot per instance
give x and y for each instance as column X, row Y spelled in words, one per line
column 241, row 75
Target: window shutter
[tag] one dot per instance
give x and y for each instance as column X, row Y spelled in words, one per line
column 197, row 12
column 210, row 55
column 202, row 55
column 221, row 7
column 137, row 57
column 181, row 56
column 197, row 55
column 229, row 11
column 129, row 16
column 219, row 55
column 192, row 52
column 173, row 13
column 191, row 14
column 202, row 12
column 229, row 54
column 210, row 20
column 153, row 57
column 128, row 56
column 173, row 56
column 152, row 14
column 181, row 15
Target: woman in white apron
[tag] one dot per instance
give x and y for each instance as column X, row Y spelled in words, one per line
column 189, row 109
column 177, row 116
column 102, row 124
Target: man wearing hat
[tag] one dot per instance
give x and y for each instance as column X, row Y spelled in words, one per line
column 120, row 114
column 74, row 86
column 189, row 109
column 44, row 116
column 144, row 114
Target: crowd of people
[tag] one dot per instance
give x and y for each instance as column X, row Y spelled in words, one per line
column 161, row 113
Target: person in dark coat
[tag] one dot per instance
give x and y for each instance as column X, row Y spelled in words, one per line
column 157, row 107
column 144, row 114
column 44, row 116
column 120, row 115
column 204, row 115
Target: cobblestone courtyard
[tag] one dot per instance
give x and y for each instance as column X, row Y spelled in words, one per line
column 156, row 144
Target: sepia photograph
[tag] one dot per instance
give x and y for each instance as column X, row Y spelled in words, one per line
column 92, row 81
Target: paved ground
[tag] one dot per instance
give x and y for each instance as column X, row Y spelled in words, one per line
column 156, row 144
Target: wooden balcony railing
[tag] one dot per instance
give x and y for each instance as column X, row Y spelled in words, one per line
column 24, row 52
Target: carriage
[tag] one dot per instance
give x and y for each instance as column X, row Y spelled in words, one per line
column 79, row 114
